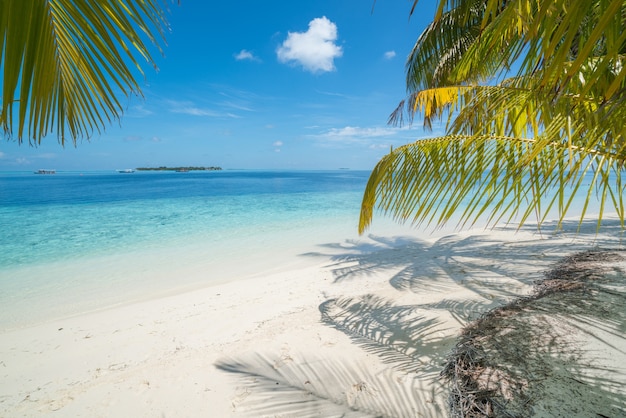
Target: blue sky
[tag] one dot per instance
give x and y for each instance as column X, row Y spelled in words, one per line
column 259, row 85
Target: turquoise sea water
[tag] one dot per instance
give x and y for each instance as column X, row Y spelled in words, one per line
column 75, row 242
column 72, row 242
column 70, row 215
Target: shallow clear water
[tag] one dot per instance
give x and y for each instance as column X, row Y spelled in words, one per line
column 65, row 216
column 74, row 242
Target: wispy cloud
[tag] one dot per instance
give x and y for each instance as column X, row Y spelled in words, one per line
column 379, row 146
column 238, row 106
column 315, row 50
column 278, row 143
column 139, row 111
column 334, row 94
column 137, row 138
column 245, row 55
column 352, row 132
column 390, row 54
column 195, row 111
column 373, row 137
column 2, row 154
column 189, row 108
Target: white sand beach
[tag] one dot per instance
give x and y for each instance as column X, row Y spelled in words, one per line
column 362, row 328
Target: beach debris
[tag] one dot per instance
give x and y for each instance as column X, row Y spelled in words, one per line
column 506, row 361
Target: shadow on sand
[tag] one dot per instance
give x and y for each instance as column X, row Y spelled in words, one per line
column 414, row 343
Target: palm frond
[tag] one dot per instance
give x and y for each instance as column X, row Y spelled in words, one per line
column 496, row 178
column 65, row 63
column 440, row 46
column 514, row 147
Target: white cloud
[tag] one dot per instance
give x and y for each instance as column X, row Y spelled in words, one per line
column 156, row 139
column 315, row 50
column 278, row 144
column 194, row 111
column 189, row 108
column 373, row 138
column 330, row 93
column 2, row 154
column 351, row 132
column 244, row 55
column 390, row 54
column 237, row 106
column 379, row 146
column 139, row 111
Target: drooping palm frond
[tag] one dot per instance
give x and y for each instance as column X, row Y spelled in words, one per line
column 488, row 177
column 519, row 146
column 562, row 136
column 563, row 39
column 65, row 62
column 476, row 40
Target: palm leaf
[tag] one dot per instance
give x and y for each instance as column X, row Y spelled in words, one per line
column 65, row 63
column 502, row 178
column 520, row 147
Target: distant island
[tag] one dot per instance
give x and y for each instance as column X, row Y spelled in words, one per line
column 180, row 169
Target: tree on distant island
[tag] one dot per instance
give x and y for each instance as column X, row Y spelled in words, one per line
column 535, row 98
column 64, row 63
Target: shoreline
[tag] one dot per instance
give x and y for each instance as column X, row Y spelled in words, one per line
column 97, row 282
column 196, row 353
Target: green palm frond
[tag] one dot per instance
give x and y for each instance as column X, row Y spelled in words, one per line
column 65, row 62
column 474, row 40
column 440, row 47
column 515, row 147
column 490, row 178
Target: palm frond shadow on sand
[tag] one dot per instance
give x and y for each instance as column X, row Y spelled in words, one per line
column 405, row 337
column 489, row 267
column 309, row 386
column 402, row 336
column 312, row 386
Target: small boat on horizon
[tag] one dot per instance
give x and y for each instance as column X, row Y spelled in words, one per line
column 41, row 171
column 126, row 171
